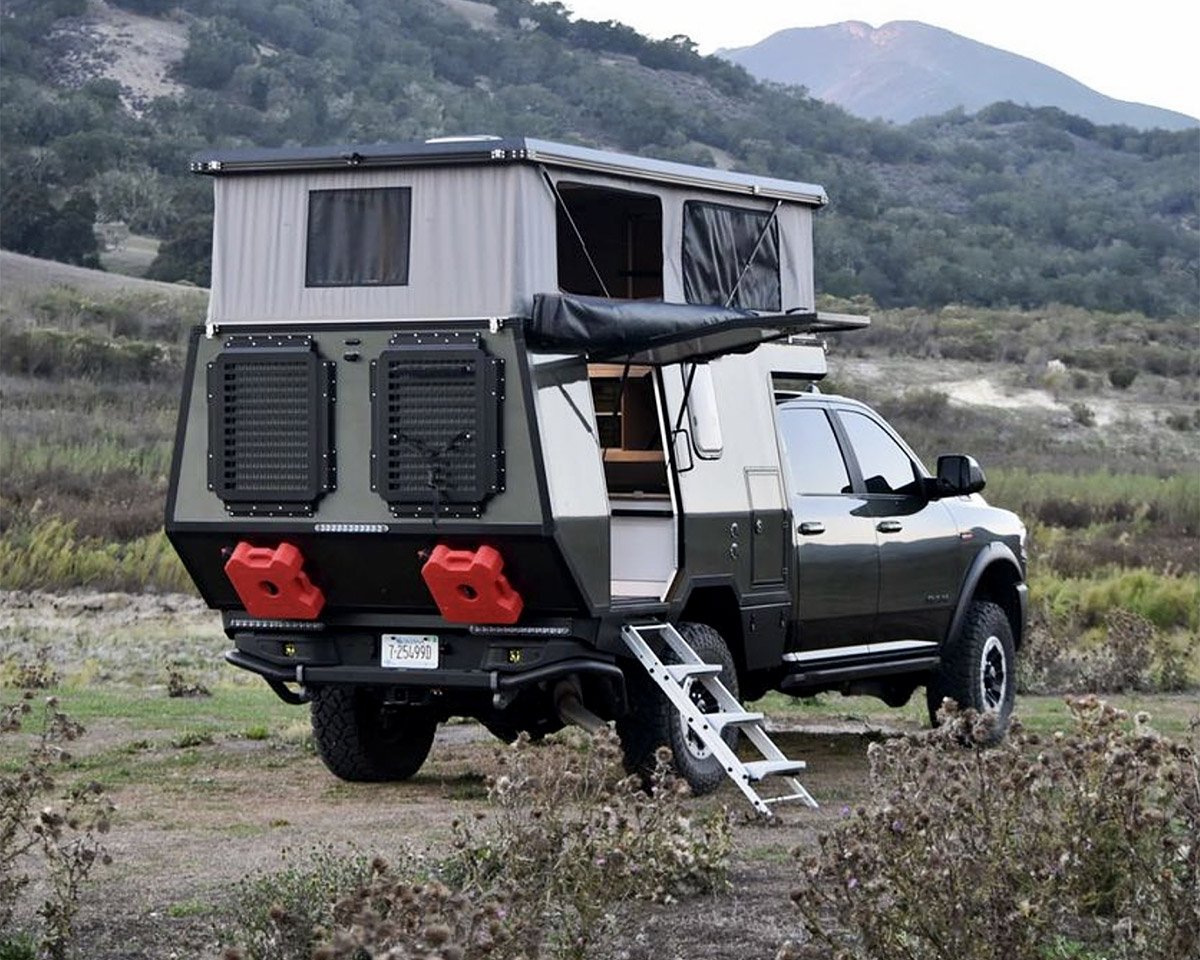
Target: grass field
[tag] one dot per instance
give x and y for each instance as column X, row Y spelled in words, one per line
column 209, row 789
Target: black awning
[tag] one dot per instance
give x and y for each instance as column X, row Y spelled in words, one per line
column 653, row 332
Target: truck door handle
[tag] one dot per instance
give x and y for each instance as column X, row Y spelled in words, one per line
column 889, row 526
column 811, row 528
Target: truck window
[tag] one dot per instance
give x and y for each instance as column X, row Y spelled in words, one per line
column 719, row 244
column 811, row 451
column 886, row 468
column 622, row 233
column 358, row 238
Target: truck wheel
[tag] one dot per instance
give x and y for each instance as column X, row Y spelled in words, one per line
column 653, row 722
column 361, row 740
column 978, row 668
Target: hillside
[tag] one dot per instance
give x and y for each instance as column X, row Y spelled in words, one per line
column 905, row 69
column 102, row 104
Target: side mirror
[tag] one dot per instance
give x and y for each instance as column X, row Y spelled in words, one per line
column 958, row 474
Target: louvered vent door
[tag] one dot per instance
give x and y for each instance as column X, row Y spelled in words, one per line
column 436, row 402
column 269, row 404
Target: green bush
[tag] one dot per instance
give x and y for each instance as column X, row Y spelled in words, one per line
column 1166, row 601
column 56, row 354
column 1078, row 501
column 1086, row 840
column 1122, row 377
column 47, row 555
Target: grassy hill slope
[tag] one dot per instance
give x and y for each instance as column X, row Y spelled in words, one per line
column 1012, row 206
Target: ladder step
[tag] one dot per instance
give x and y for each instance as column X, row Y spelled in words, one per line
column 720, row 721
column 757, row 769
column 681, row 671
column 803, row 796
column 673, row 680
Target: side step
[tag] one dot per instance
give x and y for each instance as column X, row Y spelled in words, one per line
column 673, row 679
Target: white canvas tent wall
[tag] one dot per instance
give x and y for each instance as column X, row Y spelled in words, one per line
column 483, row 226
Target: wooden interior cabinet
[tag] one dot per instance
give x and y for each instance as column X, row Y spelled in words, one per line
column 627, row 420
column 630, row 433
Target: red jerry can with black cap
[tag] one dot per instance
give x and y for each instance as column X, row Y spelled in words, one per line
column 272, row 584
column 469, row 586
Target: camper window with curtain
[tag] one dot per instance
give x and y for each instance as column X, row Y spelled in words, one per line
column 719, row 246
column 358, row 238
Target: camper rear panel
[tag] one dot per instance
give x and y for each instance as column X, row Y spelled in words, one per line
column 365, row 447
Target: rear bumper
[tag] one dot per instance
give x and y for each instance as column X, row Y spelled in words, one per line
column 466, row 680
column 475, row 674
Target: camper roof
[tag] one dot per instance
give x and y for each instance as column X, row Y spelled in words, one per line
column 448, row 151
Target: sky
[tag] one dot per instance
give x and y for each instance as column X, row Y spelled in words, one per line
column 1147, row 52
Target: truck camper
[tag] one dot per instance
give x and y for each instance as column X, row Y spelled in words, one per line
column 529, row 433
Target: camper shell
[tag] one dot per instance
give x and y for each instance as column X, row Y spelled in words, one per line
column 547, row 375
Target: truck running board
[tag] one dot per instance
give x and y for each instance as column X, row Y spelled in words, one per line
column 673, row 680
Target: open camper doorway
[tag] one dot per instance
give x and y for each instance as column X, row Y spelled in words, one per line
column 642, row 493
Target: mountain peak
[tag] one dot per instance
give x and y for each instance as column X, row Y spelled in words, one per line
column 905, row 69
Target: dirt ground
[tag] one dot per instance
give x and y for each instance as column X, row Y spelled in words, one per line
column 185, row 841
column 192, row 822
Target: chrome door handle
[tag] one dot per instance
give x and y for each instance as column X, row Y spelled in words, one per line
column 811, row 528
column 889, row 526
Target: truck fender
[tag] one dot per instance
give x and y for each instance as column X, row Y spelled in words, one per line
column 994, row 553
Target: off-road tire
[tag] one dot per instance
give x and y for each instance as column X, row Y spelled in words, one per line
column 653, row 722
column 978, row 669
column 361, row 740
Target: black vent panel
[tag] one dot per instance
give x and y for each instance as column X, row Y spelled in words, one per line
column 436, row 402
column 269, row 403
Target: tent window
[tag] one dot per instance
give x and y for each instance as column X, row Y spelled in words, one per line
column 358, row 238
column 623, row 235
column 717, row 242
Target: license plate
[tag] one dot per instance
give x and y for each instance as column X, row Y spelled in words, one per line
column 409, row 651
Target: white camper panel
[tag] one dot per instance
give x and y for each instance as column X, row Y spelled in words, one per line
column 483, row 240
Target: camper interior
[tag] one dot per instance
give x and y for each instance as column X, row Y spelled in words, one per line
column 609, row 242
column 629, row 423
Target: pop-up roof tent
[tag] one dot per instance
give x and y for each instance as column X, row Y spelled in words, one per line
column 557, row 236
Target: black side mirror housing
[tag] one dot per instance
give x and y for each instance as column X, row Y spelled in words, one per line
column 958, row 474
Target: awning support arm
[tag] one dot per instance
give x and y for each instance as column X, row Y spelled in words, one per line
column 579, row 236
column 687, row 392
column 753, row 253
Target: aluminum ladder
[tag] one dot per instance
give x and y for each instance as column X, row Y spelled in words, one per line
column 675, row 679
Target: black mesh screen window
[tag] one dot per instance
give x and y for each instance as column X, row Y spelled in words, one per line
column 358, row 238
column 269, row 403
column 719, row 246
column 436, row 408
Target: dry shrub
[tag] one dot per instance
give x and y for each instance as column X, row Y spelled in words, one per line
column 570, row 837
column 36, row 674
column 180, row 686
column 426, row 921
column 284, row 913
column 1086, row 841
column 1131, row 656
column 60, row 842
column 573, row 835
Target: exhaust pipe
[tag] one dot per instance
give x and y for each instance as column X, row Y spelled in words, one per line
column 568, row 702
